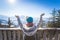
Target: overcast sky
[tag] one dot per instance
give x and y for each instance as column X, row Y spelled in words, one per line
column 28, row 7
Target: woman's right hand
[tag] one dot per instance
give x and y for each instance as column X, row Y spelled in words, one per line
column 42, row 14
column 16, row 16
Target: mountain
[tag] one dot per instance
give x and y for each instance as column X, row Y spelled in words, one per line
column 3, row 19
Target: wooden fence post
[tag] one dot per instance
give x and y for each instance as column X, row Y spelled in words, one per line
column 9, row 35
column 18, row 35
column 1, row 36
column 5, row 34
column 56, row 35
column 44, row 35
column 59, row 35
column 14, row 35
column 50, row 35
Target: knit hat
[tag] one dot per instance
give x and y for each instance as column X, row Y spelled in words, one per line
column 29, row 19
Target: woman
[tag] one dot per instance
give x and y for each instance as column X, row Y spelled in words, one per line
column 30, row 25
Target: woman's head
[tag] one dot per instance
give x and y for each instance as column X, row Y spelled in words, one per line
column 29, row 19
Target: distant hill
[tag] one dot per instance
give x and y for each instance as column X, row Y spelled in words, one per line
column 3, row 19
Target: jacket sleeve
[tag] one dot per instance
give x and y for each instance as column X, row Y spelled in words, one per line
column 19, row 22
column 40, row 22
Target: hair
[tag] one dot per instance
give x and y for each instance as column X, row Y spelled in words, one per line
column 29, row 19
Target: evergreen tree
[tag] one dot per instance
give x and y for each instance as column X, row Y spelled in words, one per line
column 9, row 22
column 53, row 22
column 55, row 19
column 54, row 15
column 58, row 19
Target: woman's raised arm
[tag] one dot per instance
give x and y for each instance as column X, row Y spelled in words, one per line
column 19, row 21
column 40, row 21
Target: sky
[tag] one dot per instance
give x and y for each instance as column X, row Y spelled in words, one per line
column 32, row 8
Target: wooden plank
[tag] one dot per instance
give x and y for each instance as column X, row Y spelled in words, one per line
column 9, row 35
column 1, row 36
column 21, row 35
column 18, row 35
column 50, row 35
column 5, row 35
column 44, row 35
column 38, row 35
column 56, row 35
column 35, row 36
column 14, row 35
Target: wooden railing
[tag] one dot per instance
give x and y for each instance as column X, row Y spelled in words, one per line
column 41, row 34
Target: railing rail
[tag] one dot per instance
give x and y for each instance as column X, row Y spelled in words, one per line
column 38, row 28
column 42, row 34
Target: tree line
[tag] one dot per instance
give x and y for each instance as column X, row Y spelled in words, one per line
column 55, row 19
